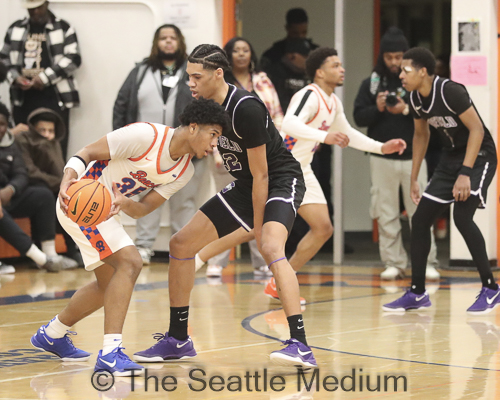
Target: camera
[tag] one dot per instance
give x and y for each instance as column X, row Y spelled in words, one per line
column 391, row 99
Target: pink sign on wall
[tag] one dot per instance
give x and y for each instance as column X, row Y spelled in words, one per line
column 470, row 70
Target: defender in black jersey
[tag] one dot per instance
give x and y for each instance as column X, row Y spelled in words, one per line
column 268, row 190
column 465, row 171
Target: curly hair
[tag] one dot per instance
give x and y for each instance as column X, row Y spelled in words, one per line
column 4, row 111
column 421, row 58
column 205, row 112
column 317, row 58
column 210, row 56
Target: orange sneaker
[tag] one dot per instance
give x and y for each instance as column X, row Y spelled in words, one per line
column 270, row 291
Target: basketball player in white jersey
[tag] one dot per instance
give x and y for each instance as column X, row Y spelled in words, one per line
column 315, row 115
column 128, row 161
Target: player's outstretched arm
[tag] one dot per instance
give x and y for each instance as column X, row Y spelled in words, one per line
column 257, row 161
column 461, row 189
column 420, row 143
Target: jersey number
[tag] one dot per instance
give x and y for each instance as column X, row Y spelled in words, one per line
column 231, row 162
column 127, row 185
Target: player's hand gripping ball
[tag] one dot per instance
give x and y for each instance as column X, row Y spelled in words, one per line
column 89, row 203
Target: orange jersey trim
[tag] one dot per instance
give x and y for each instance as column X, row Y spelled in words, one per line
column 150, row 147
column 158, row 169
column 184, row 169
column 320, row 96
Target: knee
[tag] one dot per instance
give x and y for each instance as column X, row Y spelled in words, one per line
column 323, row 231
column 180, row 245
column 461, row 221
column 271, row 251
column 132, row 266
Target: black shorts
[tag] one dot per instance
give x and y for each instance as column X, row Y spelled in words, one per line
column 440, row 187
column 232, row 207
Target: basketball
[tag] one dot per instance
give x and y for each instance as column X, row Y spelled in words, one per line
column 89, row 203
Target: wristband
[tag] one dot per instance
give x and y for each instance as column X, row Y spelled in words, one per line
column 77, row 164
column 465, row 171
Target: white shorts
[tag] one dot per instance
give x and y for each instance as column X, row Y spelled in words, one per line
column 314, row 193
column 97, row 242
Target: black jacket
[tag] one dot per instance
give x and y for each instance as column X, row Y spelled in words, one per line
column 383, row 126
column 12, row 169
column 126, row 107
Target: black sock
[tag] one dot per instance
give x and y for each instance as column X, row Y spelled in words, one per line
column 297, row 330
column 489, row 282
column 417, row 288
column 179, row 322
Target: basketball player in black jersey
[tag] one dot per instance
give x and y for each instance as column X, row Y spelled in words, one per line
column 268, row 190
column 464, row 172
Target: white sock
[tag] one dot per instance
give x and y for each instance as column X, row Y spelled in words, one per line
column 111, row 342
column 56, row 328
column 49, row 248
column 37, row 255
column 198, row 262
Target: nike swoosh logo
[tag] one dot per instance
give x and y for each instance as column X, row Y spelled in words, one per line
column 182, row 319
column 300, row 320
column 148, row 159
column 418, row 108
column 304, row 353
column 76, row 204
column 183, row 344
column 52, row 343
column 112, row 365
column 421, row 297
column 490, row 301
column 300, row 327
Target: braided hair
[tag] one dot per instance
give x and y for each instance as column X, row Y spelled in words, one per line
column 210, row 56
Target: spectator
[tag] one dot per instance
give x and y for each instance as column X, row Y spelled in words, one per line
column 41, row 53
column 285, row 61
column 156, row 91
column 19, row 200
column 382, row 106
column 42, row 154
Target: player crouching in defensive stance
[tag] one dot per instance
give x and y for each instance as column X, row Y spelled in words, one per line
column 128, row 161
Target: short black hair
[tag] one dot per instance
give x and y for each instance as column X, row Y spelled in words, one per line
column 317, row 58
column 421, row 58
column 296, row 16
column 205, row 112
column 4, row 111
column 211, row 56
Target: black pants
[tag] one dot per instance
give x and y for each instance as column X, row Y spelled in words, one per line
column 36, row 203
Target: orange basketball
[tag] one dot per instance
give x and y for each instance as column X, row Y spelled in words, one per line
column 89, row 203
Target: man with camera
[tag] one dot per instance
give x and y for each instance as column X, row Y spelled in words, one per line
column 382, row 106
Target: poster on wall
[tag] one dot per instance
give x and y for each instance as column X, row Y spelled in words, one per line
column 468, row 36
column 181, row 13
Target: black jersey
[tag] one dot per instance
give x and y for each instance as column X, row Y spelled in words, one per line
column 442, row 108
column 252, row 127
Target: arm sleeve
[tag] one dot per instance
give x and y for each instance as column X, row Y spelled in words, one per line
column 67, row 64
column 365, row 112
column 131, row 141
column 250, row 123
column 19, row 178
column 456, row 97
column 13, row 72
column 169, row 189
column 302, row 109
column 357, row 140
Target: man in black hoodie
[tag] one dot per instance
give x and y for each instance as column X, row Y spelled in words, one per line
column 382, row 106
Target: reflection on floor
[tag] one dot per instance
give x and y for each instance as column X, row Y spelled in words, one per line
column 362, row 352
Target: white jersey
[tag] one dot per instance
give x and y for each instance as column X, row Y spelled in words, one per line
column 140, row 160
column 310, row 116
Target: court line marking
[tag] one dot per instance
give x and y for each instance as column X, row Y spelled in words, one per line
column 246, row 324
column 47, row 374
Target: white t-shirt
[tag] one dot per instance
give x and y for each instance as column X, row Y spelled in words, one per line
column 310, row 116
column 140, row 161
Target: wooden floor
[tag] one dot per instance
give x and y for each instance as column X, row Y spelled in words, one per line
column 440, row 353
